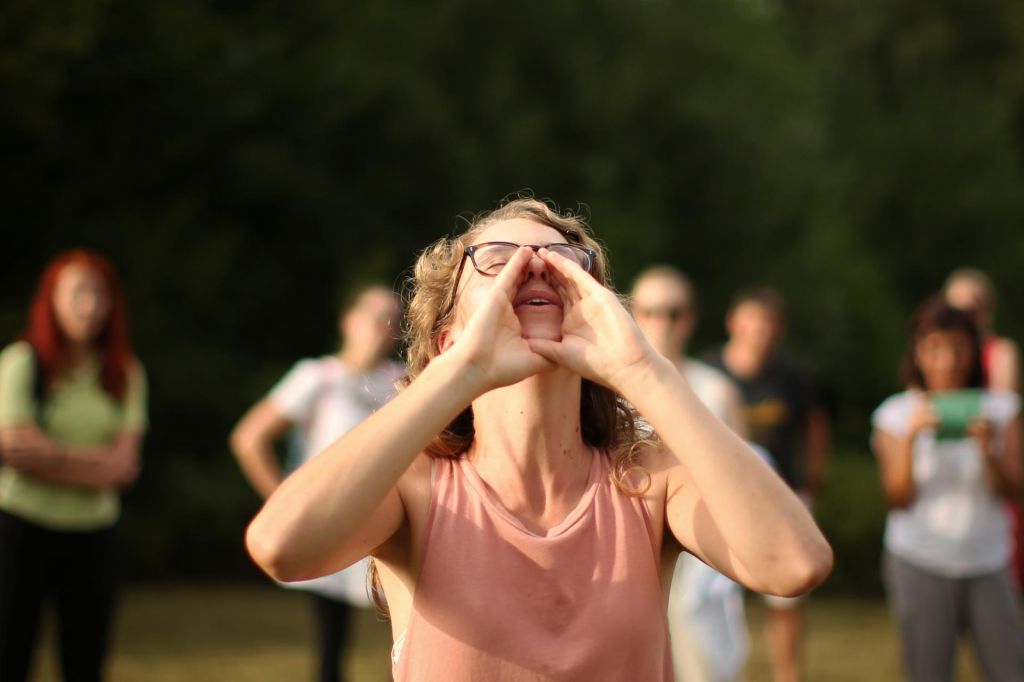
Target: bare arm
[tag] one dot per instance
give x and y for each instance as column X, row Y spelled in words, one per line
column 346, row 502
column 726, row 504
column 28, row 449
column 1005, row 370
column 252, row 442
column 896, row 467
column 896, row 456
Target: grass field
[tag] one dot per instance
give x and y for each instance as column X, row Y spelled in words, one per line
column 262, row 634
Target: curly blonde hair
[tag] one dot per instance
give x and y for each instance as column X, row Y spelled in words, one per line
column 608, row 423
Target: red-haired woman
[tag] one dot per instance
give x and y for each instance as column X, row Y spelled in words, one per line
column 72, row 414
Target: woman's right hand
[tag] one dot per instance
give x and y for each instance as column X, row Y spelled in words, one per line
column 25, row 447
column 491, row 344
column 923, row 417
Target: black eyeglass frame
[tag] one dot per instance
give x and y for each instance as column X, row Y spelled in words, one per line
column 472, row 249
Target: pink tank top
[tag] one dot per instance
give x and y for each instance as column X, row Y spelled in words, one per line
column 495, row 601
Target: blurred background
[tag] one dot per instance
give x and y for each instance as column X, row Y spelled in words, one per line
column 245, row 163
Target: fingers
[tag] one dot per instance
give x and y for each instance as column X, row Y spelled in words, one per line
column 979, row 427
column 572, row 272
column 926, row 413
column 543, row 363
column 547, row 349
column 564, row 286
column 510, row 277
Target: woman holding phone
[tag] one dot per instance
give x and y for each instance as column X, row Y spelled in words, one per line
column 520, row 520
column 949, row 454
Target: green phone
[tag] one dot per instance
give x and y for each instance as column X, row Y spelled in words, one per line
column 955, row 410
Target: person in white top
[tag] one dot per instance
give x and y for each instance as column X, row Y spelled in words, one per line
column 946, row 545
column 706, row 621
column 317, row 401
column 973, row 291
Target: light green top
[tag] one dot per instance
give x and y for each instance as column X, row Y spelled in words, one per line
column 77, row 412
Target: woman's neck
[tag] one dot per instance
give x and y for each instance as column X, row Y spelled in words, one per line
column 527, row 445
column 75, row 354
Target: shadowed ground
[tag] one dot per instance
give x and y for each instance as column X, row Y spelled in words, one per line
column 261, row 634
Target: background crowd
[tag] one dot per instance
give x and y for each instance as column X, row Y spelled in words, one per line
column 73, row 416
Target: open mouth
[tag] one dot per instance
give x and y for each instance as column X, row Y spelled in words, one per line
column 538, row 300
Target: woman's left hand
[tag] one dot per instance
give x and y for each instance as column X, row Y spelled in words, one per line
column 981, row 429
column 600, row 341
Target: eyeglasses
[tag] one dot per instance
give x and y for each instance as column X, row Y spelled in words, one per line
column 490, row 258
column 671, row 313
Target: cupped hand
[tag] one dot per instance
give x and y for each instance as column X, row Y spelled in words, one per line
column 492, row 343
column 923, row 417
column 981, row 430
column 600, row 340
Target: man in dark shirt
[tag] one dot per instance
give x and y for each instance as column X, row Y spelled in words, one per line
column 785, row 416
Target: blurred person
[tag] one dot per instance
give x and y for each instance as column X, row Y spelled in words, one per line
column 972, row 291
column 946, row 545
column 72, row 417
column 705, row 608
column 319, row 400
column 784, row 416
column 518, row 519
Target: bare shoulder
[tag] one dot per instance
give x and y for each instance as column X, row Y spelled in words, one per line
column 1007, row 344
column 669, row 476
column 662, row 467
column 1006, row 349
column 1004, row 371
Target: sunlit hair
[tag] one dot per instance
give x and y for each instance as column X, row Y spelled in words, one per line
column 669, row 273
column 50, row 343
column 936, row 315
column 607, row 422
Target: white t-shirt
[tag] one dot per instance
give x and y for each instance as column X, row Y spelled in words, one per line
column 325, row 399
column 705, row 608
column 955, row 526
column 714, row 389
